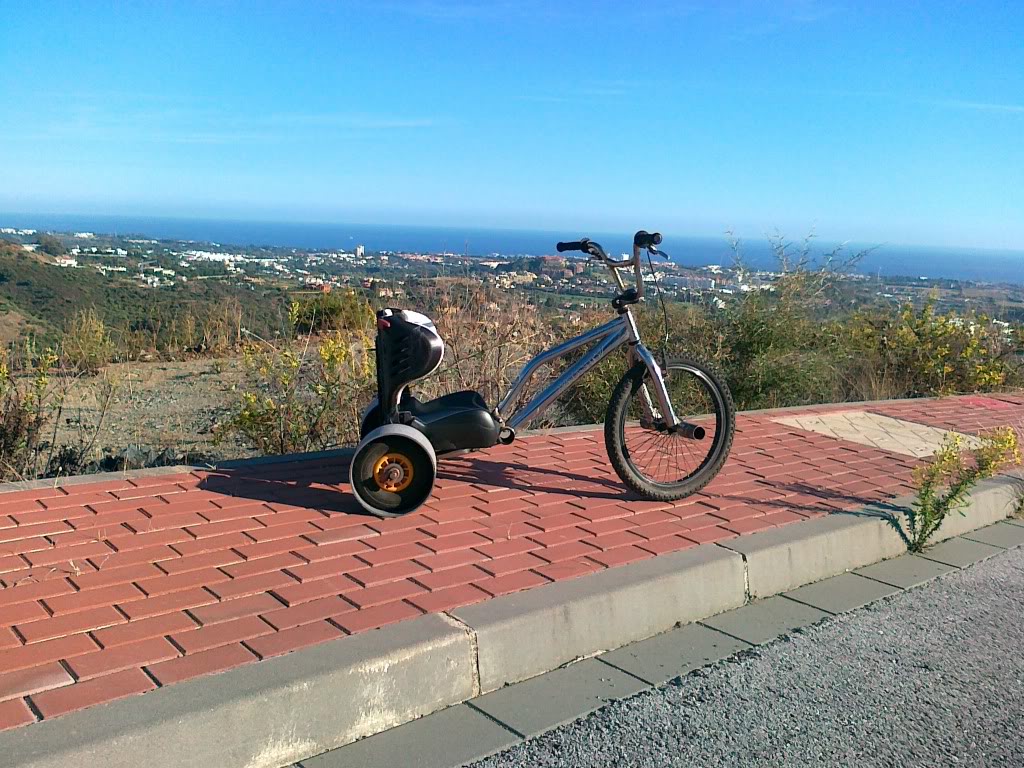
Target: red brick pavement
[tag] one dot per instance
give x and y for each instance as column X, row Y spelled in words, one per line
column 117, row 587
column 970, row 415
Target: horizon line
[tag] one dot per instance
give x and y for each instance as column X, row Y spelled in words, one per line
column 724, row 234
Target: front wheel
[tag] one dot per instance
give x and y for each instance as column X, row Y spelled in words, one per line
column 669, row 464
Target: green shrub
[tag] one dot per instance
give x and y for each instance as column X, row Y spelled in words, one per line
column 302, row 399
column 778, row 352
column 26, row 417
column 32, row 407
column 86, row 345
column 337, row 310
column 488, row 338
column 920, row 352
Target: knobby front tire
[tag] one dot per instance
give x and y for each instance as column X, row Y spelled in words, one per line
column 663, row 465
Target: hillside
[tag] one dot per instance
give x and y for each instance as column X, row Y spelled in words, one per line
column 40, row 298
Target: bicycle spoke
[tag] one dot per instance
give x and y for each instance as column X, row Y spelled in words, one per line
column 664, row 457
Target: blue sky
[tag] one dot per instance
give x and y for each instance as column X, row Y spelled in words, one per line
column 882, row 122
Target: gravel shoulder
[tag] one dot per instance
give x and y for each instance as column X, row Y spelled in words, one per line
column 931, row 677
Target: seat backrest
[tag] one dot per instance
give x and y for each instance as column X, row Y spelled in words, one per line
column 408, row 348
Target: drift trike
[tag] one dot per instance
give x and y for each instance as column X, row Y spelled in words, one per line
column 668, row 427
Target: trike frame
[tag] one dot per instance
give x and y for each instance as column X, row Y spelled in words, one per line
column 606, row 339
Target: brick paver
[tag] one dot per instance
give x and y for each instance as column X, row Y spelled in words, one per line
column 970, row 415
column 113, row 588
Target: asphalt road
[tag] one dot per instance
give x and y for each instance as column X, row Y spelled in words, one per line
column 931, row 677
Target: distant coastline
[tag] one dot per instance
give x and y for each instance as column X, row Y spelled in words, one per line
column 975, row 264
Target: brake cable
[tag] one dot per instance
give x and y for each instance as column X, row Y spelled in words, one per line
column 664, row 309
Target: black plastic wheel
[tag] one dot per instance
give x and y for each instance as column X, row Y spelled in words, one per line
column 664, row 464
column 393, row 471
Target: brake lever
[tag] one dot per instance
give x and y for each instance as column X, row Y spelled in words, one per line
column 656, row 252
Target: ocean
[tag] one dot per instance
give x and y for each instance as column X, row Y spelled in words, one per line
column 977, row 264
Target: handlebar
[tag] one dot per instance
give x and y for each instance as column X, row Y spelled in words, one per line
column 644, row 239
column 588, row 246
column 575, row 245
column 641, row 239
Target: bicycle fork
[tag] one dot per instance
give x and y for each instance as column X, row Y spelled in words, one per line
column 660, row 405
column 637, row 351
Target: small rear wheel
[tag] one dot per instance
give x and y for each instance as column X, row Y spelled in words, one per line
column 393, row 469
column 669, row 464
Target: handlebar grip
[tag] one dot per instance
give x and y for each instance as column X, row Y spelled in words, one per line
column 575, row 245
column 644, row 239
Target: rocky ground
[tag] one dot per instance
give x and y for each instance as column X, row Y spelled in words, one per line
column 157, row 405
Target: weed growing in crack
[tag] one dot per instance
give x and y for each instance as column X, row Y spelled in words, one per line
column 943, row 484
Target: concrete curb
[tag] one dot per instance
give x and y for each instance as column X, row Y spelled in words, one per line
column 96, row 477
column 287, row 458
column 992, row 500
column 783, row 559
column 289, row 708
column 852, row 404
column 269, row 714
column 568, row 620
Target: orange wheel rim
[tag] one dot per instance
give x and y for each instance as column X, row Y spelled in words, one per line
column 393, row 472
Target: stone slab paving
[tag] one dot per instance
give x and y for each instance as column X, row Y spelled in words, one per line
column 883, row 432
column 765, row 620
column 536, row 705
column 842, row 593
column 118, row 586
column 906, row 571
column 673, row 653
column 960, row 552
column 444, row 739
column 1005, row 535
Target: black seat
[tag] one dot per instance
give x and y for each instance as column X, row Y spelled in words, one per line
column 457, row 421
column 455, row 400
column 408, row 349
